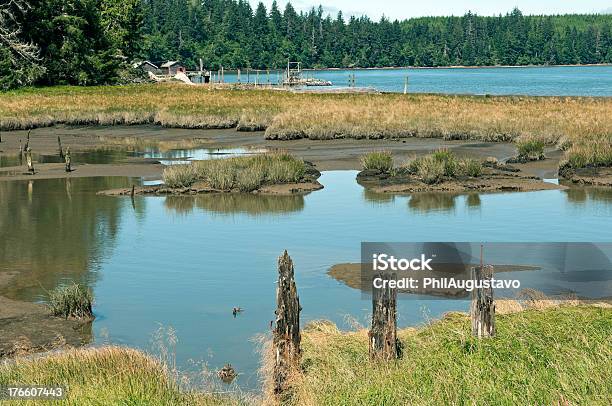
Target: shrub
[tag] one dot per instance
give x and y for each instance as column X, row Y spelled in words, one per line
column 377, row 160
column 71, row 301
column 530, row 149
column 179, row 175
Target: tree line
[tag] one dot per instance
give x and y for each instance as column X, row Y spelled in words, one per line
column 94, row 41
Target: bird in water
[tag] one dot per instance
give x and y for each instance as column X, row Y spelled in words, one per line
column 236, row 310
column 227, row 373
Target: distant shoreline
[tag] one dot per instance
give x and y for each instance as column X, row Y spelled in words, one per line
column 458, row 67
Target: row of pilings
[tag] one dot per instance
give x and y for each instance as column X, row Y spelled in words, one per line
column 384, row 345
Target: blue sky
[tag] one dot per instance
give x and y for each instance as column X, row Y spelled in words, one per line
column 401, row 9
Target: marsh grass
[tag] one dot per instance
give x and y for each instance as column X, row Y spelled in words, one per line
column 106, row 376
column 243, row 173
column 377, row 160
column 563, row 121
column 443, row 164
column 530, row 149
column 71, row 301
column 555, row 355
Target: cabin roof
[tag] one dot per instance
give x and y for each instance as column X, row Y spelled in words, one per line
column 170, row 63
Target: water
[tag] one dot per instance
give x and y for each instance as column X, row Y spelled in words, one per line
column 110, row 156
column 185, row 261
column 536, row 81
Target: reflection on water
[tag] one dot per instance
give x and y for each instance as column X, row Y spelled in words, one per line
column 97, row 156
column 115, row 155
column 182, row 156
column 149, row 266
column 233, row 203
column 583, row 194
column 55, row 229
column 428, row 202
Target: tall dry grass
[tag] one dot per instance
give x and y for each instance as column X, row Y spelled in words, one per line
column 105, row 376
column 581, row 125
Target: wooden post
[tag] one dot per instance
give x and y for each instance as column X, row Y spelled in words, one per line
column 238, row 76
column 257, row 78
column 482, row 308
column 59, row 146
column 286, row 333
column 29, row 161
column 27, row 144
column 384, row 344
column 68, row 159
column 406, row 85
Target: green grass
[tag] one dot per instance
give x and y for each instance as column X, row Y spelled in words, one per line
column 242, row 173
column 443, row 164
column 71, row 301
column 104, row 376
column 531, row 149
column 377, row 160
column 539, row 357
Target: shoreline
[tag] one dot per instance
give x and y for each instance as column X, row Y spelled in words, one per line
column 459, row 67
column 27, row 327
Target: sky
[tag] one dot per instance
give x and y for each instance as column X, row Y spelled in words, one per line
column 402, row 9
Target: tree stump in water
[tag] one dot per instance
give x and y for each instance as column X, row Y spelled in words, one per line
column 482, row 308
column 29, row 161
column 384, row 344
column 67, row 158
column 59, row 146
column 286, row 333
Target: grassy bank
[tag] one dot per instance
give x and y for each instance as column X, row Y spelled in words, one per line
column 243, row 173
column 104, row 376
column 545, row 357
column 580, row 125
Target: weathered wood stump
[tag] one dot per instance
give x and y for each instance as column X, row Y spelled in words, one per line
column 30, row 161
column 59, row 146
column 384, row 344
column 68, row 159
column 286, row 333
column 482, row 309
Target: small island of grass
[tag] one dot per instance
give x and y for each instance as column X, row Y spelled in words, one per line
column 270, row 173
column 441, row 170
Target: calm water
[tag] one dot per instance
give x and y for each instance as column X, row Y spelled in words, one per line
column 537, row 81
column 108, row 156
column 186, row 261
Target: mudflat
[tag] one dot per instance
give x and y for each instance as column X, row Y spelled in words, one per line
column 27, row 327
column 333, row 154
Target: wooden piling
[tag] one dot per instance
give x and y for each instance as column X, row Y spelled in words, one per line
column 59, row 146
column 68, row 160
column 384, row 344
column 286, row 333
column 30, row 161
column 27, row 144
column 482, row 308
